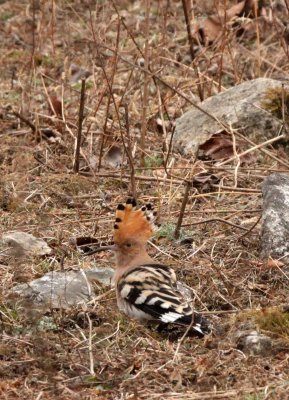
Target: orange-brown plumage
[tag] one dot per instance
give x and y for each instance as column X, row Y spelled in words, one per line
column 131, row 223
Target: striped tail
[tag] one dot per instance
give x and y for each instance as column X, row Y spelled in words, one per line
column 201, row 325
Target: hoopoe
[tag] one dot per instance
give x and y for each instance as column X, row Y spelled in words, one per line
column 147, row 290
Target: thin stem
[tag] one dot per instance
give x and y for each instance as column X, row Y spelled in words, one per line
column 223, row 221
column 145, row 87
column 182, row 210
column 128, row 150
column 191, row 46
column 79, row 130
column 102, row 140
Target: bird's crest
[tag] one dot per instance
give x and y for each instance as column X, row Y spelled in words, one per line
column 132, row 222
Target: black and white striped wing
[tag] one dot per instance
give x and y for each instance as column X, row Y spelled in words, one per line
column 151, row 290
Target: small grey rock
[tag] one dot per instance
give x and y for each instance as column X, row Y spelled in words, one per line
column 254, row 343
column 239, row 106
column 78, row 73
column 19, row 244
column 275, row 217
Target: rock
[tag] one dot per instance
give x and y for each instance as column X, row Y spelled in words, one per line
column 19, row 244
column 275, row 218
column 62, row 289
column 102, row 275
column 254, row 343
column 78, row 73
column 239, row 106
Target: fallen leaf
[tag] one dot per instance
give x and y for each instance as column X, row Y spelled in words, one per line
column 55, row 106
column 210, row 29
column 204, row 181
column 235, row 10
column 272, row 264
column 268, row 264
column 219, row 146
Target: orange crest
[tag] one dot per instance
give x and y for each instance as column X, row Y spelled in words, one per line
column 134, row 223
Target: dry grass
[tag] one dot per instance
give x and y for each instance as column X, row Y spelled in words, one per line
column 97, row 353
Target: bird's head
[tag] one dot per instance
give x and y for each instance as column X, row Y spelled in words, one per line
column 132, row 228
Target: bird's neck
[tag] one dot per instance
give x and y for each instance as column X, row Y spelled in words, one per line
column 126, row 262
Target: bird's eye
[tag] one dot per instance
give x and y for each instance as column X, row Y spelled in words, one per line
column 128, row 244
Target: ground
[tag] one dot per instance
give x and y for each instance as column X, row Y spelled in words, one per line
column 95, row 352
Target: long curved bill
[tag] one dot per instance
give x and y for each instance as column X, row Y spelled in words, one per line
column 111, row 247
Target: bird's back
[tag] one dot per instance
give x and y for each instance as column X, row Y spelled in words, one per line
column 149, row 292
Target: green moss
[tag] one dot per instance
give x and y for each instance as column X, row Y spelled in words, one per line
column 167, row 231
column 6, row 15
column 44, row 60
column 45, row 266
column 8, row 312
column 16, row 55
column 77, row 85
column 273, row 102
column 47, row 324
column 254, row 396
column 11, row 96
column 153, row 161
column 155, row 11
column 270, row 321
column 275, row 322
column 99, row 385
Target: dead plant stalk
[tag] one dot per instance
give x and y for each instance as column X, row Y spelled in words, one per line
column 146, row 82
column 91, row 361
column 182, row 210
column 79, row 130
column 114, row 69
column 186, row 8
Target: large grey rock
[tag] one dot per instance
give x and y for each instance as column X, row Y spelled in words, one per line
column 19, row 244
column 275, row 218
column 239, row 106
column 62, row 289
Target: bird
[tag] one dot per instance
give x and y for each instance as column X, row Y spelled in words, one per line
column 146, row 290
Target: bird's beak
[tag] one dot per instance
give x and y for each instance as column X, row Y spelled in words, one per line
column 101, row 248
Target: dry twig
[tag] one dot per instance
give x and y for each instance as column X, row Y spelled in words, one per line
column 79, row 129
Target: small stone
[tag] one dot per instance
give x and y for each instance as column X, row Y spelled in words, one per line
column 78, row 73
column 275, row 218
column 254, row 343
column 19, row 244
